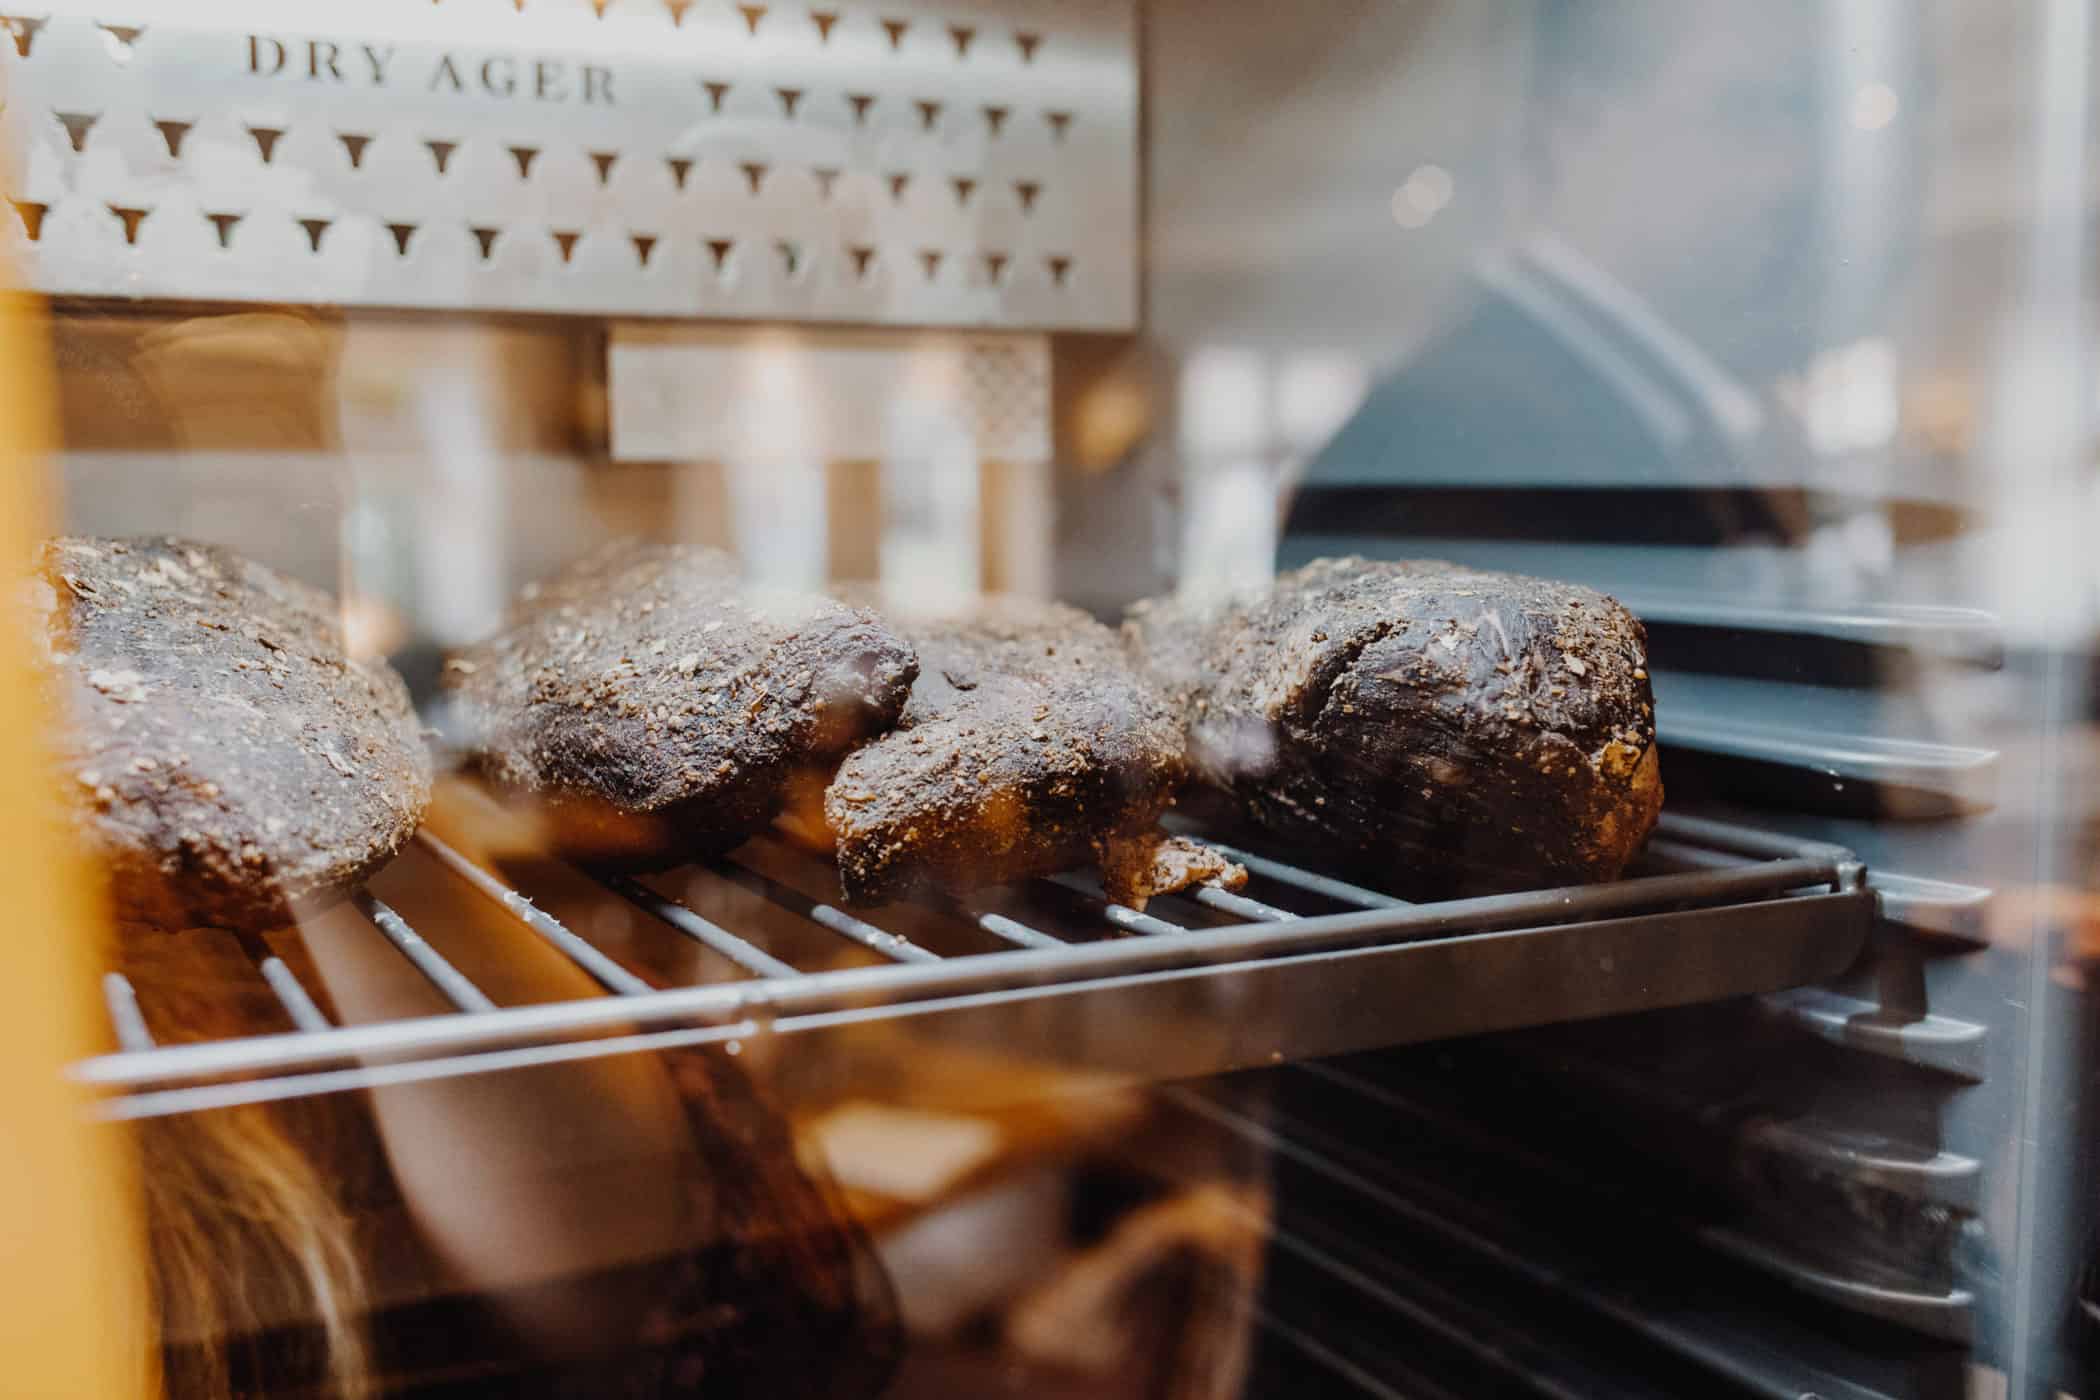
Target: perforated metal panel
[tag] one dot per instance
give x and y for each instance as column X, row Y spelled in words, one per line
column 959, row 164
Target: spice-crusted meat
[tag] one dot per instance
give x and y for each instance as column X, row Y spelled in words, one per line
column 1136, row 867
column 1030, row 745
column 1444, row 730
column 230, row 763
column 659, row 710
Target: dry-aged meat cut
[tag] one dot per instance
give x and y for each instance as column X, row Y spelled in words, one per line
column 230, row 763
column 1030, row 745
column 661, row 710
column 1136, row 867
column 1443, row 729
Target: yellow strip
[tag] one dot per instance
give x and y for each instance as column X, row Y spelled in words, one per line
column 71, row 1272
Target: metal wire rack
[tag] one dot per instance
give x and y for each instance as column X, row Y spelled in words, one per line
column 1317, row 966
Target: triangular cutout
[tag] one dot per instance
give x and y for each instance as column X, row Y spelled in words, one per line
column 716, row 93
column 1026, row 191
column 402, row 233
column 678, row 9
column 1028, row 44
column 681, row 169
column 132, row 219
column 266, row 139
column 604, row 161
column 930, row 259
column 24, row 29
column 995, row 118
column 895, row 28
column 929, row 112
column 860, row 102
column 565, row 240
column 486, row 238
column 863, row 256
column 126, row 36
column 790, row 99
column 899, row 181
column 719, row 250
column 441, row 152
column 754, row 173
column 964, row 188
column 315, row 228
column 995, row 267
column 524, row 156
column 826, row 177
column 32, row 216
column 824, row 19
column 1060, row 268
column 752, row 15
column 224, row 225
column 644, row 245
column 964, row 36
column 1060, row 123
column 172, row 133
column 79, row 124
column 354, row 147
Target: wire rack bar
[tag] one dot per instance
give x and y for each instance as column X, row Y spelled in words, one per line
column 1016, row 932
column 305, row 1012
column 1751, row 842
column 1680, row 855
column 1129, row 920
column 1326, row 886
column 609, row 974
column 448, row 979
column 1239, row 905
column 894, row 946
column 746, row 955
column 1038, row 964
column 1120, row 917
column 125, row 1018
column 197, row 1098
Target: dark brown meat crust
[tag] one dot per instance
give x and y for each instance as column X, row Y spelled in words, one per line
column 1134, row 869
column 1440, row 729
column 1030, row 743
column 660, row 710
column 229, row 763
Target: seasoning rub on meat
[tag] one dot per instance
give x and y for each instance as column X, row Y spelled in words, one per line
column 229, row 763
column 1442, row 730
column 660, row 710
column 1031, row 745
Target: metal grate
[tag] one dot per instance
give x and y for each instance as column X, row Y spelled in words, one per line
column 1735, row 912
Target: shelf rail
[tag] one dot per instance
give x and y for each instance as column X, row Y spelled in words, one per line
column 1735, row 866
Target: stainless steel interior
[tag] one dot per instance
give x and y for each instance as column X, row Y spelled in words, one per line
column 1728, row 911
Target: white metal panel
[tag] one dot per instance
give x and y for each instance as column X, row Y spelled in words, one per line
column 967, row 164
